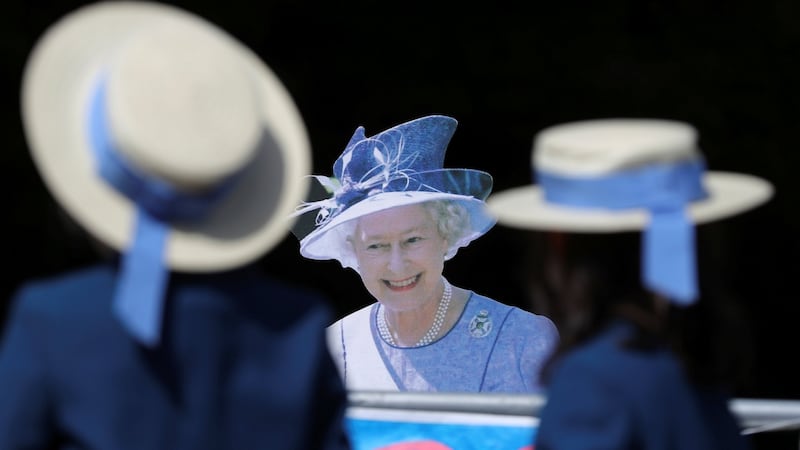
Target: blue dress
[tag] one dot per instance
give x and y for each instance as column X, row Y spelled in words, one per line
column 602, row 396
column 492, row 348
column 242, row 365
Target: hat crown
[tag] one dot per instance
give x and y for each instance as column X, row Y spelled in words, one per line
column 180, row 107
column 400, row 166
column 606, row 146
column 418, row 145
column 193, row 116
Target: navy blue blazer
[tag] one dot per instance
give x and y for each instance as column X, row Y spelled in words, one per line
column 602, row 396
column 242, row 365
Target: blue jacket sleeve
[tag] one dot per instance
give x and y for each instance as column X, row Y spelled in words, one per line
column 583, row 414
column 23, row 390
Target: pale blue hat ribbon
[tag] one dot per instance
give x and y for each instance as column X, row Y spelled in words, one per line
column 143, row 279
column 665, row 189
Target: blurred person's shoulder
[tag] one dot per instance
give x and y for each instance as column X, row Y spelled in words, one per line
column 609, row 359
column 250, row 290
column 67, row 290
column 75, row 298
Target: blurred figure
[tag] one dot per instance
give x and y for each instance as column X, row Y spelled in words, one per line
column 643, row 363
column 395, row 215
column 174, row 145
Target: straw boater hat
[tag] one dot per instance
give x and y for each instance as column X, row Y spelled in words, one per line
column 400, row 166
column 167, row 140
column 614, row 175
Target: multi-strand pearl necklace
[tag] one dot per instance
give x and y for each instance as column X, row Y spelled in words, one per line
column 436, row 326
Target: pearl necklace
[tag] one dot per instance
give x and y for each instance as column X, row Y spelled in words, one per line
column 436, row 326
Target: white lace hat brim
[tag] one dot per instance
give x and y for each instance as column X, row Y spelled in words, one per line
column 328, row 242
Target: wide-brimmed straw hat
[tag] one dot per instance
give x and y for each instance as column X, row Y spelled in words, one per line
column 400, row 166
column 615, row 175
column 161, row 134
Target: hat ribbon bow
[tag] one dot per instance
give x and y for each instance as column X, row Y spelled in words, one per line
column 139, row 297
column 669, row 266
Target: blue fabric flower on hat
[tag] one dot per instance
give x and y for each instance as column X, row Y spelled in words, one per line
column 406, row 158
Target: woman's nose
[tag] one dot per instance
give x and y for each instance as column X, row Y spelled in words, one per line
column 397, row 258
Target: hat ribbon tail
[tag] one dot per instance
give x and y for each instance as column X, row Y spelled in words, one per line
column 669, row 256
column 138, row 300
column 664, row 190
column 144, row 274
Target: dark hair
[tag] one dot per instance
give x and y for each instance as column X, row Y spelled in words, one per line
column 585, row 281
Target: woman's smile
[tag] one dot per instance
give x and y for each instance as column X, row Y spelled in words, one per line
column 400, row 255
column 402, row 285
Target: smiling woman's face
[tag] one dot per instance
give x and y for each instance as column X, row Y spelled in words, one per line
column 400, row 256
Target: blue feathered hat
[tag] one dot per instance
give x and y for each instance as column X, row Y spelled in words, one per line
column 400, row 166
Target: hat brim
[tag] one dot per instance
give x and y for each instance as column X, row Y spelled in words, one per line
column 56, row 86
column 525, row 207
column 325, row 242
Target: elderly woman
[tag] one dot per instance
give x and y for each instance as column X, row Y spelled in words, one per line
column 395, row 216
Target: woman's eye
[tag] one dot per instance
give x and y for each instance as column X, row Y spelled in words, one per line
column 414, row 239
column 374, row 246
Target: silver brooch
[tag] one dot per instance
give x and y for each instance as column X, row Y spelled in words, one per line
column 480, row 325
